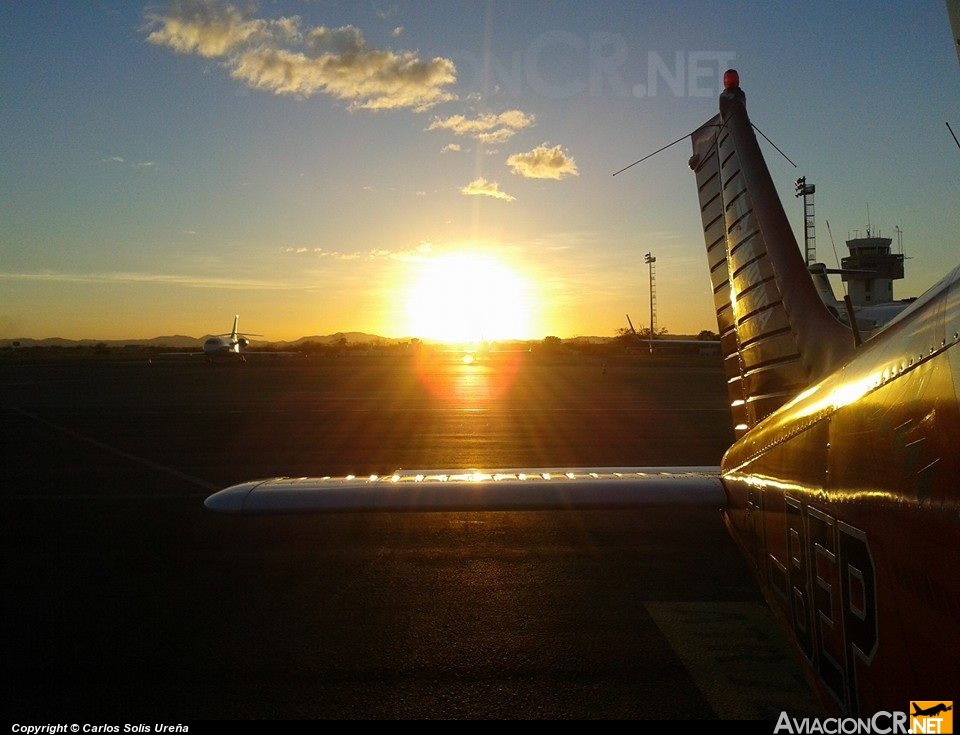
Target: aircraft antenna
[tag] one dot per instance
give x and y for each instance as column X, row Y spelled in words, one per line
column 954, row 135
column 650, row 155
column 899, row 231
column 660, row 150
column 773, row 144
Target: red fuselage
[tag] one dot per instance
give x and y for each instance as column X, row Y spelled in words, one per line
column 846, row 501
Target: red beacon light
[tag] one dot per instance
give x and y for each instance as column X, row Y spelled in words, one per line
column 731, row 79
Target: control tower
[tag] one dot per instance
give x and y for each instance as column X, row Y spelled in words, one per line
column 870, row 270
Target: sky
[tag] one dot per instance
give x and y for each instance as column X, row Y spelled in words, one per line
column 443, row 170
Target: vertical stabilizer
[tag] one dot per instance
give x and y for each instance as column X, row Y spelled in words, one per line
column 776, row 333
column 953, row 14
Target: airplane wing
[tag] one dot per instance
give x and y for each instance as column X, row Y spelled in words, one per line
column 466, row 490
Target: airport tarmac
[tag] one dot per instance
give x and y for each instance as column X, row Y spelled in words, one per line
column 125, row 600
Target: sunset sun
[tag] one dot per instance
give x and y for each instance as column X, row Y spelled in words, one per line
column 467, row 297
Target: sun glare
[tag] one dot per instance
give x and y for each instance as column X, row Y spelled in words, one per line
column 468, row 297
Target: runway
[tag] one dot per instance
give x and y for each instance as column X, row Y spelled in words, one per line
column 124, row 600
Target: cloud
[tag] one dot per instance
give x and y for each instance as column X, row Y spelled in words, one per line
column 208, row 29
column 282, row 57
column 543, row 163
column 120, row 160
column 145, row 278
column 451, row 148
column 413, row 253
column 482, row 187
column 321, row 253
column 487, row 128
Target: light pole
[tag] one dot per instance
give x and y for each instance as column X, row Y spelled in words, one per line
column 650, row 260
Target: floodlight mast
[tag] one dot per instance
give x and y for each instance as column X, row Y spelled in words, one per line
column 807, row 191
column 650, row 260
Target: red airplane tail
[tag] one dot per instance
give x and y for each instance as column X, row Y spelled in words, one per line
column 776, row 334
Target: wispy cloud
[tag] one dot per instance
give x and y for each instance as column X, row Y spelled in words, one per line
column 322, row 253
column 146, row 278
column 487, row 128
column 413, row 253
column 482, row 187
column 281, row 56
column 120, row 160
column 543, row 162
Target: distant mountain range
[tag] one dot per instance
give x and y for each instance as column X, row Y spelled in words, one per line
column 179, row 341
column 183, row 342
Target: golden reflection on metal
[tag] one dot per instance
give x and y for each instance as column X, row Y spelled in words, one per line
column 844, row 395
column 761, row 482
column 804, row 394
column 796, row 490
column 471, row 476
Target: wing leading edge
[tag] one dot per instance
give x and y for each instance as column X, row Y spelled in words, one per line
column 467, row 490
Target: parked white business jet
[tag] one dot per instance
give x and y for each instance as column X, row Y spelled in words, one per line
column 228, row 345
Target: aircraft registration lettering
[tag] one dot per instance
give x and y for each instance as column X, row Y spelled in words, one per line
column 824, row 575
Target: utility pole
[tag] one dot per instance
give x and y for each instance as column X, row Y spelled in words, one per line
column 650, row 260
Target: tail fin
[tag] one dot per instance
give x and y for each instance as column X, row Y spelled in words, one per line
column 776, row 333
